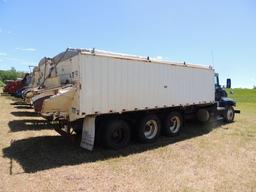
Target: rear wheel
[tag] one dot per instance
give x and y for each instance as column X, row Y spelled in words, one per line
column 116, row 134
column 229, row 114
column 203, row 115
column 173, row 123
column 149, row 129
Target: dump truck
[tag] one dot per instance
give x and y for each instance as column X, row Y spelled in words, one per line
column 39, row 82
column 46, row 80
column 54, row 74
column 112, row 96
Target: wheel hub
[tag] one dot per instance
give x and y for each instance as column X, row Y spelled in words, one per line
column 230, row 114
column 175, row 124
column 117, row 135
column 150, row 130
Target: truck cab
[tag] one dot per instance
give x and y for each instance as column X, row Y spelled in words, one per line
column 225, row 105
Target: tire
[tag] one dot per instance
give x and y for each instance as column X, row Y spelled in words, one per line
column 172, row 124
column 149, row 129
column 203, row 115
column 77, row 126
column 229, row 114
column 116, row 134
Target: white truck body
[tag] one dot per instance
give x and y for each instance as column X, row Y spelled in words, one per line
column 112, row 94
column 115, row 83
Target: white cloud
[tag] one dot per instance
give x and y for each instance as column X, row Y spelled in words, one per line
column 3, row 54
column 26, row 49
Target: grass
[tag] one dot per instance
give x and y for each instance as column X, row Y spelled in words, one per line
column 213, row 157
column 245, row 98
column 1, row 84
column 242, row 95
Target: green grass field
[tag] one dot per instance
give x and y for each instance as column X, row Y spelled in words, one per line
column 245, row 98
column 242, row 95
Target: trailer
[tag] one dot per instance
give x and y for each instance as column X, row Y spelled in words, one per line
column 38, row 80
column 113, row 95
column 52, row 76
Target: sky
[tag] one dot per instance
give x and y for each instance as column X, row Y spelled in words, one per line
column 221, row 33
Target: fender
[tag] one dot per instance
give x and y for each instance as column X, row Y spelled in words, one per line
column 225, row 101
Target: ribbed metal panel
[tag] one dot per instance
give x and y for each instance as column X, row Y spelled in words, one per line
column 116, row 84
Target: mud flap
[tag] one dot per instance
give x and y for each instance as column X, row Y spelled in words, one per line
column 88, row 133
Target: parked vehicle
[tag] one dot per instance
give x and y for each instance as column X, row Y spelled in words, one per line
column 55, row 73
column 38, row 80
column 13, row 86
column 112, row 95
column 7, row 87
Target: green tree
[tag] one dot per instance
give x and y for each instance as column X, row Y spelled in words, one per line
column 11, row 74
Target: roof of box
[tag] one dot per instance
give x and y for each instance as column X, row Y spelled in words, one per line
column 70, row 52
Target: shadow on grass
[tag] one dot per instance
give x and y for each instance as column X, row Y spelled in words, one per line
column 19, row 102
column 47, row 152
column 29, row 125
column 4, row 94
column 25, row 114
column 23, row 107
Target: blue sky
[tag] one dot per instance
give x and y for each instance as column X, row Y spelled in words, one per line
column 205, row 32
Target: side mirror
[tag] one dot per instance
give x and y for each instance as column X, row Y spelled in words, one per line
column 228, row 86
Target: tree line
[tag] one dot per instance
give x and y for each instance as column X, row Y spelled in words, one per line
column 11, row 74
